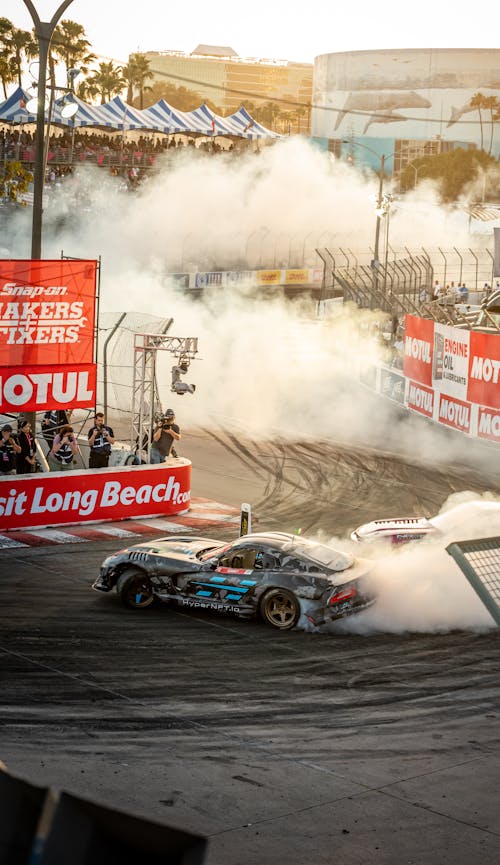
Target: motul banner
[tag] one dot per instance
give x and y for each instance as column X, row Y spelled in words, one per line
column 63, row 498
column 488, row 424
column 39, row 388
column 484, row 369
column 418, row 349
column 47, row 312
column 421, row 399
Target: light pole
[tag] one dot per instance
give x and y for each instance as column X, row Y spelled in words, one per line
column 416, row 169
column 379, row 200
column 43, row 32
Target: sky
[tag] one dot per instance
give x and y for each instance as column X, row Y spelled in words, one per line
column 266, row 30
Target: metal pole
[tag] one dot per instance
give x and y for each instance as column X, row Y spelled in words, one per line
column 379, row 205
column 43, row 32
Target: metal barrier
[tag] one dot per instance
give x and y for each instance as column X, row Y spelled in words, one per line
column 479, row 560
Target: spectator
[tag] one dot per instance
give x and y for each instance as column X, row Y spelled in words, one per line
column 64, row 449
column 164, row 435
column 26, row 459
column 49, row 427
column 463, row 293
column 101, row 437
column 9, row 449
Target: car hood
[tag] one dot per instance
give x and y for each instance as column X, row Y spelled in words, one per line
column 178, row 548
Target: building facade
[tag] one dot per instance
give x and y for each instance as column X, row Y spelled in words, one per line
column 228, row 81
column 408, row 102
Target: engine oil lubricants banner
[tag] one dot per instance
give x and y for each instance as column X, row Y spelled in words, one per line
column 47, row 329
column 64, row 498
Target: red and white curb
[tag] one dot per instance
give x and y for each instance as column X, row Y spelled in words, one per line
column 203, row 514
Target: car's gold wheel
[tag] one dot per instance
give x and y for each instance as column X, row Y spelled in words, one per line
column 280, row 609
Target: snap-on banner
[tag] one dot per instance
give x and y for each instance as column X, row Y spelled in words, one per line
column 66, row 498
column 47, row 312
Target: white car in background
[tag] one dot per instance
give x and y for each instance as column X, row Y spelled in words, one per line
column 463, row 522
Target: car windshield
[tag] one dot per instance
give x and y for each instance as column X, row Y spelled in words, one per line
column 323, row 555
column 205, row 555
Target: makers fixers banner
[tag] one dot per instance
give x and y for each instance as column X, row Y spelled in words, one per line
column 47, row 312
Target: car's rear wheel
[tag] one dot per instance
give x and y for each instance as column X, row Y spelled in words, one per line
column 280, row 609
column 135, row 590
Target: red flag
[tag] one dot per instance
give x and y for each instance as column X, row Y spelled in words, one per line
column 213, row 124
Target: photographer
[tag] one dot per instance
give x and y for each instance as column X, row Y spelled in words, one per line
column 9, row 449
column 63, row 450
column 164, row 435
column 101, row 437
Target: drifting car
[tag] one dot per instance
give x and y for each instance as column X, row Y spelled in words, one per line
column 461, row 521
column 273, row 575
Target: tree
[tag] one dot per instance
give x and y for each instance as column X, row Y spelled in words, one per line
column 178, row 97
column 491, row 104
column 136, row 73
column 478, row 101
column 453, row 172
column 14, row 181
column 70, row 45
column 7, row 72
column 106, row 81
column 15, row 46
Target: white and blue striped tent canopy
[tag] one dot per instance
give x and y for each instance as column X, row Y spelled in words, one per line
column 247, row 127
column 171, row 119
column 13, row 110
column 161, row 117
column 87, row 115
column 123, row 116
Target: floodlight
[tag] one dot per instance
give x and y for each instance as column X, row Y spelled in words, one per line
column 69, row 109
column 32, row 105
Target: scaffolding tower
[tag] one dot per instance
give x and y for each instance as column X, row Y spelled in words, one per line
column 146, row 400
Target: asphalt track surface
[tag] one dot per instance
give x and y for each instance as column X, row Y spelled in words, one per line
column 278, row 747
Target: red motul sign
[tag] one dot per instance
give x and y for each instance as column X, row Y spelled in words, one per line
column 418, row 349
column 484, row 369
column 63, row 498
column 47, row 328
column 36, row 388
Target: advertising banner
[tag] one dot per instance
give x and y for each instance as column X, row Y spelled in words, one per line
column 268, row 277
column 47, row 312
column 418, row 349
column 38, row 388
column 488, row 424
column 297, row 277
column 392, row 385
column 63, row 498
column 450, row 367
column 484, row 369
column 421, row 398
column 454, row 413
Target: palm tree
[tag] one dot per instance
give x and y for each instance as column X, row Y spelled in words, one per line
column 492, row 104
column 478, row 101
column 70, row 45
column 7, row 71
column 136, row 73
column 107, row 81
column 16, row 45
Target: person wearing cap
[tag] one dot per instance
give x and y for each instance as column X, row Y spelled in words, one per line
column 164, row 435
column 9, row 449
column 26, row 459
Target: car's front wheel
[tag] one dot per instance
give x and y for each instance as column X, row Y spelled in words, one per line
column 280, row 609
column 135, row 590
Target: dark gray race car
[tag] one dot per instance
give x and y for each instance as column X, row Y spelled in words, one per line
column 274, row 575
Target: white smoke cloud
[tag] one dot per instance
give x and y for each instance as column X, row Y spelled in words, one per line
column 419, row 586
